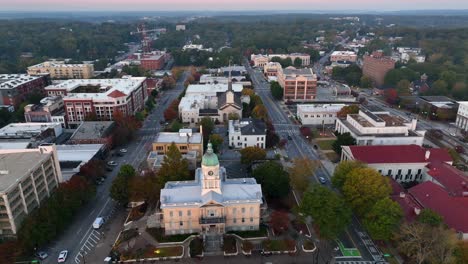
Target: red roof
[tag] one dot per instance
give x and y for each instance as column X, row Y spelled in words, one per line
column 116, row 94
column 453, row 180
column 454, row 210
column 406, row 201
column 398, row 154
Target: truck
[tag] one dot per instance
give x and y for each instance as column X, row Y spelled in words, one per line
column 98, row 222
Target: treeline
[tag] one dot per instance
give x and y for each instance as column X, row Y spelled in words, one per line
column 26, row 42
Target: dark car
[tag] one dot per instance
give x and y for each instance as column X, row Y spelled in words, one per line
column 289, row 137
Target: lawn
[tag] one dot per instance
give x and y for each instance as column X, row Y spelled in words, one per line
column 158, row 234
column 262, row 232
column 348, row 252
column 279, row 245
column 332, row 156
column 160, row 252
column 325, row 144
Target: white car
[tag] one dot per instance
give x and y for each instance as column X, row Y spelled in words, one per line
column 112, row 163
column 123, row 150
column 453, row 134
column 42, row 255
column 62, row 256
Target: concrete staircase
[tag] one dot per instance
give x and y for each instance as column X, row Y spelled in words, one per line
column 213, row 245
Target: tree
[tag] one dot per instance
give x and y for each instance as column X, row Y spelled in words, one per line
column 144, row 188
column 391, row 96
column 344, row 139
column 306, row 132
column 279, row 221
column 168, row 83
column 92, row 170
column 273, row 178
column 327, row 209
column 363, row 188
column 342, row 170
column 276, row 90
column 174, row 167
column 119, row 190
column 297, row 62
column 366, row 82
column 300, row 173
column 439, row 87
column 403, row 88
column 429, row 217
column 251, row 154
column 172, row 111
column 259, row 112
column 217, row 141
column 233, row 116
column 207, row 126
column 272, row 139
column 450, row 77
column 383, row 219
column 347, row 110
column 140, row 116
column 176, row 126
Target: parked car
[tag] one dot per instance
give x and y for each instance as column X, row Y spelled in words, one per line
column 322, row 180
column 459, row 149
column 111, row 163
column 62, row 256
column 289, row 137
column 42, row 255
column 98, row 222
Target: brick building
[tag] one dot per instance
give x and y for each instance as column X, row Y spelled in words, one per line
column 153, row 61
column 15, row 88
column 350, row 56
column 376, row 66
column 300, row 85
column 61, row 70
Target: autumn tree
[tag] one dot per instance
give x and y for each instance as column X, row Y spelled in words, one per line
column 363, row 187
column 306, row 132
column 342, row 170
column 217, row 142
column 144, row 188
column 279, row 221
column 273, row 178
column 259, row 112
column 344, row 139
column 208, row 126
column 347, row 110
column 174, row 167
column 429, row 217
column 383, row 219
column 300, row 173
column 248, row 91
column 391, row 96
column 251, row 154
column 233, row 116
column 119, row 190
column 172, row 111
column 327, row 209
column 168, row 83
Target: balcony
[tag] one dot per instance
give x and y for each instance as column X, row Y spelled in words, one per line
column 212, row 220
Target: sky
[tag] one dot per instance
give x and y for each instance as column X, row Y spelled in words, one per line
column 226, row 5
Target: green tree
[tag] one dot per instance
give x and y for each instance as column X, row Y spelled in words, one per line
column 174, row 167
column 297, row 62
column 233, row 116
column 300, row 173
column 429, row 217
column 176, row 125
column 140, row 116
column 439, row 87
column 276, row 90
column 251, row 154
column 273, row 178
column 328, row 210
column 363, row 188
column 344, row 139
column 119, row 190
column 217, row 142
column 260, row 112
column 403, row 88
column 366, row 82
column 342, row 171
column 450, row 77
column 383, row 219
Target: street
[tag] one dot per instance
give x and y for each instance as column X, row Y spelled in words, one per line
column 80, row 238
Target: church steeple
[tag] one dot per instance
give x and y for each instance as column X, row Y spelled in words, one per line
column 229, row 79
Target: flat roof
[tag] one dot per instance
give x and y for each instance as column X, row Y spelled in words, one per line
column 343, row 53
column 110, row 87
column 82, row 152
column 10, row 81
column 14, row 143
column 179, row 138
column 14, row 166
column 91, row 130
column 59, row 64
column 211, row 88
column 26, row 128
column 319, row 107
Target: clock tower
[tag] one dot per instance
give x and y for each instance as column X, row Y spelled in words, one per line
column 210, row 178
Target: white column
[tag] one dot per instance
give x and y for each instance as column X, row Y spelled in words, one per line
column 45, row 179
column 22, row 198
column 9, row 213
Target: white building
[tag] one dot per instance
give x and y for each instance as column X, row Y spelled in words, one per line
column 305, row 58
column 259, row 60
column 318, row 114
column 196, row 47
column 247, row 132
column 211, row 203
column 180, row 27
column 378, row 127
column 350, row 56
column 215, row 101
column 462, row 116
column 30, row 130
column 404, row 163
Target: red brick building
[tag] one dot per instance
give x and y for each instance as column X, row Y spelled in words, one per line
column 153, row 61
column 376, row 66
column 15, row 88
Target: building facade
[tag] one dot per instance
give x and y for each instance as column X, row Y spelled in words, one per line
column 247, row 132
column 300, row 85
column 15, row 88
column 62, row 70
column 28, row 177
column 153, row 61
column 50, row 109
column 376, row 66
column 185, row 140
column 305, row 58
column 211, row 203
column 100, row 97
column 318, row 114
column 272, row 69
column 259, row 60
column 462, row 116
column 378, row 127
column 337, row 56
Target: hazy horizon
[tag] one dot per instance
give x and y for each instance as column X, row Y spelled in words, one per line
column 218, row 5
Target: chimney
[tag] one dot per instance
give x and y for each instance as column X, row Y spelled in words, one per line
column 428, row 154
column 417, row 211
column 402, row 195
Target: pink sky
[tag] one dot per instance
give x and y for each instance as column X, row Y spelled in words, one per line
column 146, row 5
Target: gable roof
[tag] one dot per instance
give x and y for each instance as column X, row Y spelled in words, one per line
column 454, row 210
column 222, row 100
column 453, row 180
column 116, row 94
column 398, row 154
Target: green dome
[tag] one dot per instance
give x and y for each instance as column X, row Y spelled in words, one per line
column 210, row 159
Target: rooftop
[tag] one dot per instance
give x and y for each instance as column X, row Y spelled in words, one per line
column 332, row 108
column 337, row 53
column 181, row 137
column 58, row 64
column 453, row 180
column 92, row 129
column 98, row 88
column 10, row 81
column 291, row 71
column 212, row 89
column 398, row 154
column 81, row 153
column 26, row 129
column 248, row 126
column 14, row 166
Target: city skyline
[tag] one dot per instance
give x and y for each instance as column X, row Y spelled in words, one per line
column 216, row 5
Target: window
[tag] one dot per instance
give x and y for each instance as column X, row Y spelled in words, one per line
column 419, row 171
column 243, row 220
column 251, row 219
column 180, row 213
column 306, row 115
column 181, row 223
column 234, row 220
column 189, row 213
column 245, row 139
column 171, row 214
column 399, row 172
column 409, row 171
column 389, row 172
column 243, row 210
column 238, row 137
column 234, row 211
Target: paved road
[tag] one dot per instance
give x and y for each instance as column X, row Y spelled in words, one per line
column 80, row 238
column 298, row 147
